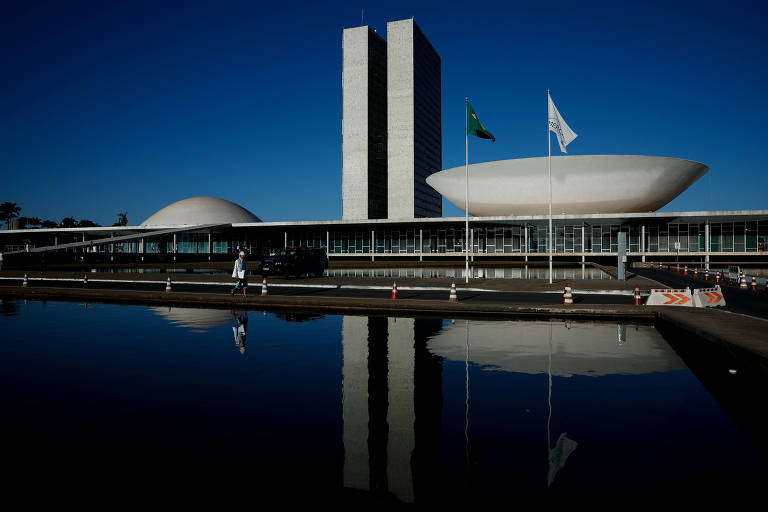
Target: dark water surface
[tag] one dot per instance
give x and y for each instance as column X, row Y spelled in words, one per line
column 129, row 399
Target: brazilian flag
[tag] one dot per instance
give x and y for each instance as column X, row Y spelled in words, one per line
column 475, row 127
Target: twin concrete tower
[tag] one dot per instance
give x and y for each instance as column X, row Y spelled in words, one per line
column 391, row 123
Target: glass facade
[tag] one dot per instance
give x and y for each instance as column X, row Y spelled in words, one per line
column 734, row 234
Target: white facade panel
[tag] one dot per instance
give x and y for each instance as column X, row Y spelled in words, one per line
column 400, row 119
column 354, row 165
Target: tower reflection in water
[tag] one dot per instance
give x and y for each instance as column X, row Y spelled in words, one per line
column 390, row 380
column 393, row 390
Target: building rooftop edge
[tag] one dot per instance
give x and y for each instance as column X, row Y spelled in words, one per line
column 428, row 220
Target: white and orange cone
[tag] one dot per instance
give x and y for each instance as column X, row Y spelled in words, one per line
column 706, row 275
column 696, row 272
column 453, row 297
column 567, row 295
column 638, row 300
column 168, row 285
column 25, row 283
column 717, row 277
column 754, row 284
column 743, row 281
column 264, row 287
column 394, row 291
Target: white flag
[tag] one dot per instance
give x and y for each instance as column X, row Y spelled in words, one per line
column 558, row 125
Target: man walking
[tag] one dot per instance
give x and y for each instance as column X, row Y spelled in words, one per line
column 239, row 273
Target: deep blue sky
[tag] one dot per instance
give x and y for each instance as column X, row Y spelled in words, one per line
column 113, row 106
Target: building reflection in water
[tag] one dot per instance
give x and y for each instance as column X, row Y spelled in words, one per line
column 391, row 384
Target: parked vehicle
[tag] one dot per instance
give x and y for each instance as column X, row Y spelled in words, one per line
column 295, row 261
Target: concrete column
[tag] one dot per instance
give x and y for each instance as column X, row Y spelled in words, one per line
column 526, row 245
column 373, row 245
column 642, row 241
column 210, row 242
column 421, row 244
column 471, row 244
column 285, row 239
column 56, row 240
column 328, row 242
column 622, row 254
column 706, row 244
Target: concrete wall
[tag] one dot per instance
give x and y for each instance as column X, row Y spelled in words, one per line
column 400, row 121
column 414, row 122
column 364, row 165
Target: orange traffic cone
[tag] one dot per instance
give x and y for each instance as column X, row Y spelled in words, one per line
column 25, row 283
column 696, row 272
column 754, row 284
column 743, row 281
column 264, row 287
column 678, row 268
column 168, row 285
column 394, row 291
column 638, row 300
column 567, row 295
column 706, row 275
column 717, row 277
column 685, row 270
column 453, row 297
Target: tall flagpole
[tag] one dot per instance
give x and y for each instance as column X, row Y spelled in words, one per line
column 466, row 193
column 549, row 165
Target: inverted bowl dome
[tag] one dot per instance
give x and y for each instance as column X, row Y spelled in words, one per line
column 580, row 184
column 200, row 210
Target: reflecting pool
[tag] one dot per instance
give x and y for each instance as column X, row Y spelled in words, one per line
column 390, row 410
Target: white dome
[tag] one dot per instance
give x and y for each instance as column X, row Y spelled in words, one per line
column 200, row 210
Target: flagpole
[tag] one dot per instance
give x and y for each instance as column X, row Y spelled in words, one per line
column 466, row 193
column 549, row 166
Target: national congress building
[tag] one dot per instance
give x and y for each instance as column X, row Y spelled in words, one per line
column 393, row 184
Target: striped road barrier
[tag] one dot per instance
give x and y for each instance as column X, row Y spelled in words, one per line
column 670, row 297
column 708, row 297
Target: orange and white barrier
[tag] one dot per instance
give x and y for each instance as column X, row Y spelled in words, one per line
column 708, row 297
column 670, row 297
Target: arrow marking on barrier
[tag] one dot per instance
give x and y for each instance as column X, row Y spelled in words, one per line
column 676, row 299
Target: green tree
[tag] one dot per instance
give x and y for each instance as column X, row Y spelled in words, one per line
column 68, row 222
column 48, row 224
column 122, row 219
column 33, row 221
column 8, row 212
column 85, row 223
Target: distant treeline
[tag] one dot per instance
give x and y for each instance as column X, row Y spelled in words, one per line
column 10, row 212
